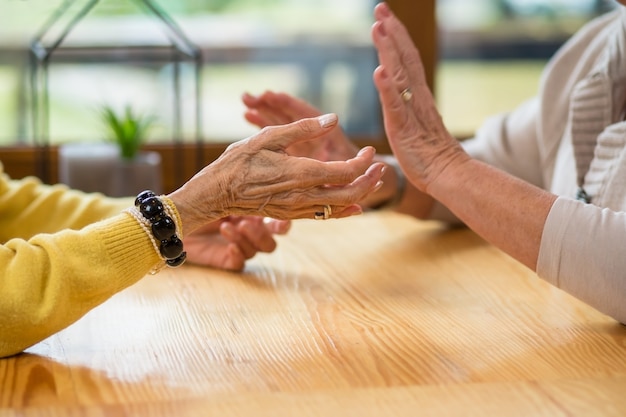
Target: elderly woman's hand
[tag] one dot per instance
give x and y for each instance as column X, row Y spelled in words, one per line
column 271, row 109
column 415, row 130
column 227, row 243
column 257, row 177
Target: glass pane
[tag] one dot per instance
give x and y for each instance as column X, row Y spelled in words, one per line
column 493, row 51
column 319, row 50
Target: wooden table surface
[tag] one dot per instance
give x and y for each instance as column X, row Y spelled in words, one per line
column 374, row 315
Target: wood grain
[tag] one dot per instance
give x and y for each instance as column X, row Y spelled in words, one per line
column 374, row 315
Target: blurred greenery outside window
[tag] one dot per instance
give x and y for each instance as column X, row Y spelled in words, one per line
column 492, row 52
column 319, row 50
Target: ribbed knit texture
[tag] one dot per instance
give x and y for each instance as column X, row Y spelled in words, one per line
column 590, row 113
column 606, row 179
column 50, row 280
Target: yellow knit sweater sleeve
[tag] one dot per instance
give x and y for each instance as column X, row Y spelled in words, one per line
column 49, row 280
column 28, row 207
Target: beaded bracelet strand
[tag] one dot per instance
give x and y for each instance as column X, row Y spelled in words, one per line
column 156, row 218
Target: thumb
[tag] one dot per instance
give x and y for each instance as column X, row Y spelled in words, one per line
column 277, row 227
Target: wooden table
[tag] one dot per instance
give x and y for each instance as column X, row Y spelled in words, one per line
column 373, row 315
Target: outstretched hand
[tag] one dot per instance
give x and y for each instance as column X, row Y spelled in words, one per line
column 414, row 127
column 272, row 109
column 229, row 242
column 256, row 176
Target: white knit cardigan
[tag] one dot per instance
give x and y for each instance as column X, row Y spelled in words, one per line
column 572, row 135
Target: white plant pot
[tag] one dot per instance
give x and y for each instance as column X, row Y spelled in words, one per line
column 138, row 174
column 98, row 167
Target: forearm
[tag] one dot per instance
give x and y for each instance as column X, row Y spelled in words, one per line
column 503, row 209
column 28, row 207
column 50, row 281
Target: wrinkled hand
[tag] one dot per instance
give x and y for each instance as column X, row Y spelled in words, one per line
column 227, row 243
column 416, row 132
column 256, row 176
column 271, row 109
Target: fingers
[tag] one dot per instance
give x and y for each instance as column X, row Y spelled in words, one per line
column 395, row 74
column 278, row 138
column 308, row 172
column 396, row 51
column 397, row 31
column 292, row 107
column 342, row 199
column 271, row 109
column 352, row 210
column 389, row 57
column 256, row 176
column 229, row 242
column 400, row 68
column 208, row 248
column 235, row 259
column 277, row 227
column 304, row 180
column 250, row 235
column 396, row 114
column 333, row 173
column 261, row 114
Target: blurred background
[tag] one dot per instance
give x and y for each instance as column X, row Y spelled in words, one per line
column 319, row 50
column 491, row 53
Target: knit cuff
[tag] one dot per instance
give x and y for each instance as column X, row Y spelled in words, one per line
column 129, row 248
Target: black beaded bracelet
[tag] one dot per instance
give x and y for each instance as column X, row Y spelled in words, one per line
column 162, row 226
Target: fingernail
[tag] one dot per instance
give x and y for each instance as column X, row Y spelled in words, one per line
column 327, row 120
column 382, row 71
column 363, row 150
column 378, row 185
column 384, row 9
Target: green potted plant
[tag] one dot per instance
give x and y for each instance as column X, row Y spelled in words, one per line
column 127, row 129
column 117, row 167
column 136, row 169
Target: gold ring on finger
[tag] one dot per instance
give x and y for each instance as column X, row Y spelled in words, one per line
column 327, row 212
column 323, row 215
column 406, row 95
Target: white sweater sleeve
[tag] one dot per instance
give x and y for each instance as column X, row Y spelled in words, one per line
column 509, row 142
column 582, row 252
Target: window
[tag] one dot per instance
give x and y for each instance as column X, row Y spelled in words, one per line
column 492, row 52
column 232, row 31
column 319, row 50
